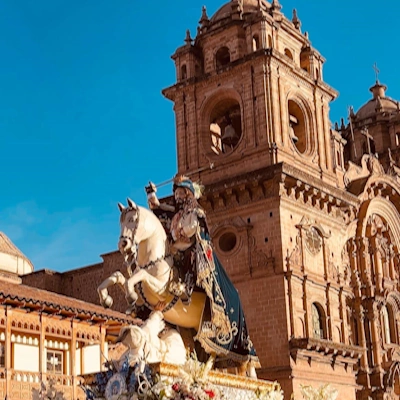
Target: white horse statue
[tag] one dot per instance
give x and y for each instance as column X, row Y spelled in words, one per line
column 143, row 243
column 152, row 343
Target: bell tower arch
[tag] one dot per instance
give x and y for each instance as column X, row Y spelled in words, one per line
column 250, row 88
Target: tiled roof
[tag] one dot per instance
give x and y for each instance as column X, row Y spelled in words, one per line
column 31, row 297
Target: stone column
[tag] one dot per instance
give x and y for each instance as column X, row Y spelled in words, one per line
column 319, row 131
column 102, row 345
column 378, row 270
column 42, row 347
column 8, row 364
column 75, row 381
column 376, row 343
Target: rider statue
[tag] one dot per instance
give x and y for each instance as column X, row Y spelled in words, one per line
column 223, row 329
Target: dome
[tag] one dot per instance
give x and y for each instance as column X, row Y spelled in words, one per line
column 12, row 259
column 378, row 103
column 249, row 6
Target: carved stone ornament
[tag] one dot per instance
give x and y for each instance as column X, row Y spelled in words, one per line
column 313, row 240
column 370, row 165
column 313, row 234
column 393, row 170
column 346, row 268
column 295, row 257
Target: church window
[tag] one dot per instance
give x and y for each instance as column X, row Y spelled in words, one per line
column 297, row 126
column 318, row 321
column 397, row 139
column 54, row 362
column 183, row 72
column 225, row 126
column 256, row 42
column 223, row 57
column 227, row 242
column 305, row 60
column 288, row 54
column 269, row 41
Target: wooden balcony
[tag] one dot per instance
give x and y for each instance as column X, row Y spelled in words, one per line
column 30, row 385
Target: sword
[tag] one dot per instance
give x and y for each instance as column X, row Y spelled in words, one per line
column 211, row 166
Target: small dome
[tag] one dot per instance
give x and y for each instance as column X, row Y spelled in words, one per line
column 378, row 103
column 12, row 259
column 249, row 6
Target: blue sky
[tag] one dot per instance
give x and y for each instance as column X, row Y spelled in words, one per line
column 83, row 123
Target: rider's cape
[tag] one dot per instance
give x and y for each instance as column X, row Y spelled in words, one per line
column 223, row 330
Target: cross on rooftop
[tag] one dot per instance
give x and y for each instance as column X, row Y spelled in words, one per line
column 368, row 136
column 377, row 71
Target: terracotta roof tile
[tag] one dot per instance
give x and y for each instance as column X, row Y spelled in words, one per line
column 32, row 296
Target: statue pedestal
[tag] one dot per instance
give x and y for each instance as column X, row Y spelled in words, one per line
column 230, row 386
column 166, row 381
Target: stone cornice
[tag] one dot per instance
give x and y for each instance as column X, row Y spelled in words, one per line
column 230, row 70
column 315, row 348
column 277, row 181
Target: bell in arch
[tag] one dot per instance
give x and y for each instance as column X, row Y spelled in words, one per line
column 230, row 137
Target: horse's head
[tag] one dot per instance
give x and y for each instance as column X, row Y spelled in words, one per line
column 129, row 221
column 132, row 336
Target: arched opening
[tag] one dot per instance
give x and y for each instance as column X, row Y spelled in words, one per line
column 222, row 58
column 318, row 321
column 297, row 126
column 337, row 335
column 397, row 139
column 256, row 42
column 269, row 41
column 225, row 126
column 183, row 72
column 288, row 54
column 317, row 73
column 305, row 60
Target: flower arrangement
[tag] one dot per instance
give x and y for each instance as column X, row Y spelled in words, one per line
column 324, row 392
column 192, row 383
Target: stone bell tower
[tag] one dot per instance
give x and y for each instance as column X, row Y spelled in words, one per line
column 250, row 93
column 250, row 101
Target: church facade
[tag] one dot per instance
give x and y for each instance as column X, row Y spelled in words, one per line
column 305, row 216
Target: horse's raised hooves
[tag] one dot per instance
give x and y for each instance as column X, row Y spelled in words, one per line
column 107, row 302
column 130, row 310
